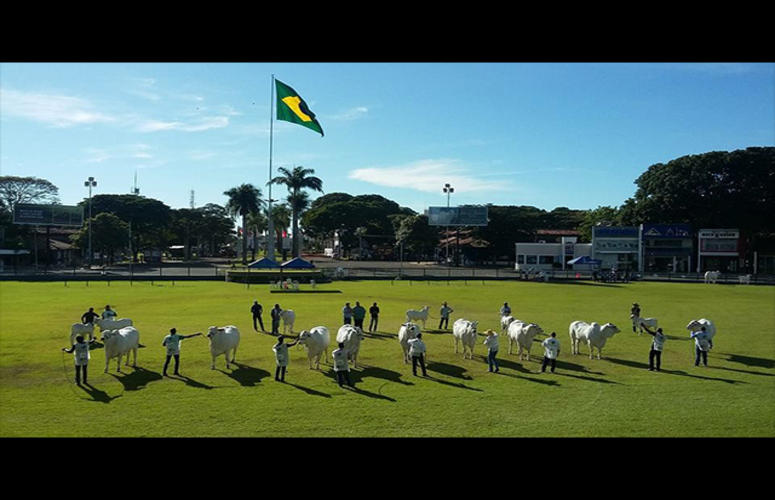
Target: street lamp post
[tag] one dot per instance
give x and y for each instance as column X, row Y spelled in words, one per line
column 90, row 183
column 448, row 190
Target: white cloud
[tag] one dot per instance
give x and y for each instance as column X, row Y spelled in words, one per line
column 428, row 176
column 351, row 114
column 55, row 110
column 197, row 126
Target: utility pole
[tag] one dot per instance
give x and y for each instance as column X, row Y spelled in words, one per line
column 448, row 190
column 90, row 183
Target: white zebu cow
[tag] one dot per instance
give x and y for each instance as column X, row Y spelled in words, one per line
column 288, row 317
column 413, row 315
column 712, row 276
column 112, row 324
column 222, row 341
column 696, row 324
column 120, row 342
column 351, row 337
column 465, row 331
column 506, row 321
column 523, row 334
column 592, row 334
column 316, row 341
column 81, row 329
column 638, row 322
column 407, row 332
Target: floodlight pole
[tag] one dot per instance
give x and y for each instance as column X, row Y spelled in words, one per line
column 90, row 183
column 270, row 222
column 449, row 190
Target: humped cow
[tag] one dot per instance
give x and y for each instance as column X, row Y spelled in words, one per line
column 81, row 329
column 638, row 322
column 592, row 334
column 712, row 276
column 413, row 315
column 223, row 340
column 407, row 332
column 465, row 331
column 351, row 337
column 522, row 334
column 288, row 317
column 120, row 342
column 696, row 324
column 112, row 324
column 506, row 321
column 316, row 341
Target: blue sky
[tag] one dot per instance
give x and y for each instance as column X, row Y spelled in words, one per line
column 542, row 134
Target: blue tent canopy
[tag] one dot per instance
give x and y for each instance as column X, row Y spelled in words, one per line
column 265, row 263
column 585, row 259
column 297, row 263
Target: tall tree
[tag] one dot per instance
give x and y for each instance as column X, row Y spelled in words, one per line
column 243, row 200
column 281, row 218
column 299, row 202
column 14, row 190
column 109, row 234
column 296, row 180
column 256, row 224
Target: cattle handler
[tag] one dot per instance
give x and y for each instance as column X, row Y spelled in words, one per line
column 81, row 356
column 172, row 343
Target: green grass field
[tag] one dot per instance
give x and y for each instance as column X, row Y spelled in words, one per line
column 612, row 397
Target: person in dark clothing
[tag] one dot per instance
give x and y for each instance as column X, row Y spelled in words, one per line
column 257, row 310
column 89, row 316
column 276, row 314
column 359, row 313
column 374, row 311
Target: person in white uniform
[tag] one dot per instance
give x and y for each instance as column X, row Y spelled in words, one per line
column 417, row 352
column 551, row 351
column 341, row 366
column 108, row 313
column 702, row 345
column 505, row 309
column 281, row 356
column 492, row 350
column 81, row 350
column 172, row 343
column 656, row 348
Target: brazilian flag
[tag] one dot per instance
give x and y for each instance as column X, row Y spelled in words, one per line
column 292, row 108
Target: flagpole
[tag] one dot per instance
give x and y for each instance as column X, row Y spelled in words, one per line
column 270, row 228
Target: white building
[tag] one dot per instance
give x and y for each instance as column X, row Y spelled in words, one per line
column 551, row 256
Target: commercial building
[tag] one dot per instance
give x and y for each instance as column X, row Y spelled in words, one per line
column 718, row 250
column 666, row 247
column 550, row 256
column 616, row 247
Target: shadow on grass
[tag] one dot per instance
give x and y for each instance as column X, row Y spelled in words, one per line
column 452, row 384
column 355, row 380
column 747, row 372
column 584, row 283
column 447, row 369
column 751, row 361
column 376, row 372
column 380, row 336
column 247, row 376
column 311, row 392
column 684, row 374
column 97, row 395
column 138, row 379
column 191, row 382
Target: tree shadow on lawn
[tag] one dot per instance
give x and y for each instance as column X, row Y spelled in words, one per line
column 247, row 376
column 138, row 379
column 97, row 395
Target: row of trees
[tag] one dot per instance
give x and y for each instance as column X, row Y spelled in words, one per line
column 712, row 190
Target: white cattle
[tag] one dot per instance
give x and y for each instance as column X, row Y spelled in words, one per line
column 407, row 332
column 506, row 321
column 744, row 279
column 712, row 276
column 351, row 337
column 638, row 322
column 415, row 315
column 523, row 334
column 465, row 331
column 120, row 342
column 316, row 341
column 592, row 334
column 288, row 317
column 81, row 329
column 223, row 340
column 112, row 324
column 696, row 324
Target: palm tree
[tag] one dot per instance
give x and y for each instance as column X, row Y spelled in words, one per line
column 257, row 223
column 244, row 200
column 299, row 203
column 281, row 218
column 296, row 180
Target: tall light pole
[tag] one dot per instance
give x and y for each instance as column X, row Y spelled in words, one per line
column 448, row 190
column 90, row 183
